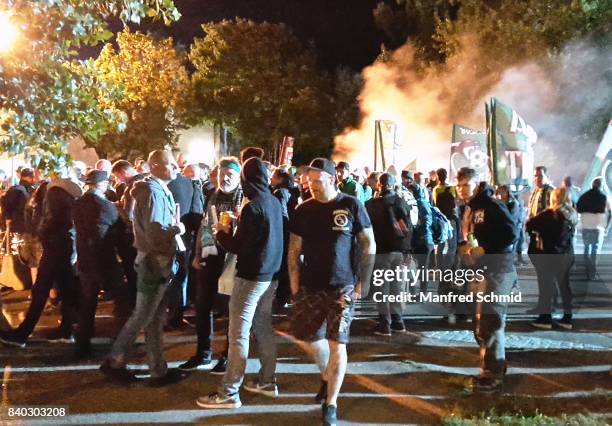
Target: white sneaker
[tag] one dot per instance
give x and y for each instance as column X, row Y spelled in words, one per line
column 267, row 389
column 216, row 400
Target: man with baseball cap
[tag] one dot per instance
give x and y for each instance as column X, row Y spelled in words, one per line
column 326, row 230
column 392, row 231
column 97, row 224
column 346, row 183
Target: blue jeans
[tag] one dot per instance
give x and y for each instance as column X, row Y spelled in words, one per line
column 154, row 275
column 250, row 305
column 593, row 241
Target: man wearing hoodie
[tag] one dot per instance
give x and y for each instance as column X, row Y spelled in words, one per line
column 258, row 243
column 56, row 232
column 156, row 230
column 492, row 226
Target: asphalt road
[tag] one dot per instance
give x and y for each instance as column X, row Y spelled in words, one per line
column 419, row 377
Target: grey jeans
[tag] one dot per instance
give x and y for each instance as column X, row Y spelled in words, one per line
column 490, row 322
column 154, row 275
column 250, row 305
column 389, row 261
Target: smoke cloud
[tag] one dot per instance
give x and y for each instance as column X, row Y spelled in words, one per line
column 558, row 96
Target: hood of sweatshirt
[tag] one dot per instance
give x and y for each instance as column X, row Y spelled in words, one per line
column 419, row 192
column 254, row 178
column 67, row 185
column 483, row 198
column 141, row 190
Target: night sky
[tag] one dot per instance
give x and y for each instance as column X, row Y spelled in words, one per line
column 343, row 31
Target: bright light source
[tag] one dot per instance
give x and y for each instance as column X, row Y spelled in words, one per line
column 8, row 33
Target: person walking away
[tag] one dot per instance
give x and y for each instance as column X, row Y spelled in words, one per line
column 392, row 232
column 594, row 210
column 555, row 229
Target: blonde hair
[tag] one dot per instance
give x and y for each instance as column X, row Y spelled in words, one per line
column 559, row 198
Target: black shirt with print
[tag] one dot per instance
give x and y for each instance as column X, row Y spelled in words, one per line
column 328, row 232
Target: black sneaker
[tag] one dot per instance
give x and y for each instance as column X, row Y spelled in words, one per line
column 197, row 362
column 120, row 375
column 220, row 368
column 397, row 325
column 10, row 340
column 543, row 322
column 83, row 350
column 566, row 322
column 383, row 328
column 172, row 376
column 321, row 396
column 487, row 385
column 329, row 415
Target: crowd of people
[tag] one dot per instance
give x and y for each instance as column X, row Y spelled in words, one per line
column 244, row 238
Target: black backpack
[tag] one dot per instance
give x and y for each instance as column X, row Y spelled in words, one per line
column 445, row 201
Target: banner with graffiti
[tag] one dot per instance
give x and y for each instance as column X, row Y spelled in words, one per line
column 510, row 145
column 602, row 164
column 468, row 149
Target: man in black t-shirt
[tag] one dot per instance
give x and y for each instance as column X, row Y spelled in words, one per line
column 327, row 230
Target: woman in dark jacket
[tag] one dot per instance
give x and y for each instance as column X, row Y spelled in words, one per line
column 555, row 228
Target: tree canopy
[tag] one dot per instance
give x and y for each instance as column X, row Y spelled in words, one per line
column 263, row 83
column 155, row 93
column 506, row 30
column 48, row 94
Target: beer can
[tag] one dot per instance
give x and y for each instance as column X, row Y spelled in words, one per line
column 225, row 219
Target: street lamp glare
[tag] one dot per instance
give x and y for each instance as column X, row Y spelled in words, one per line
column 8, row 33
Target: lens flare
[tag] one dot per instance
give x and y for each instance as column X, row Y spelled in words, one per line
column 8, row 33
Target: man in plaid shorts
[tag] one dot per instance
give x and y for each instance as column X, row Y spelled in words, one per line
column 328, row 230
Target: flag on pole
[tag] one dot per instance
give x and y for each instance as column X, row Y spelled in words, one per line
column 601, row 165
column 510, row 145
column 468, row 149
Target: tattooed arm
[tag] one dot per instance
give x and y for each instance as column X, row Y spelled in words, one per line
column 367, row 249
column 293, row 262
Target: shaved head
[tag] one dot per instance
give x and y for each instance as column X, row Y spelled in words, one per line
column 104, row 165
column 163, row 166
